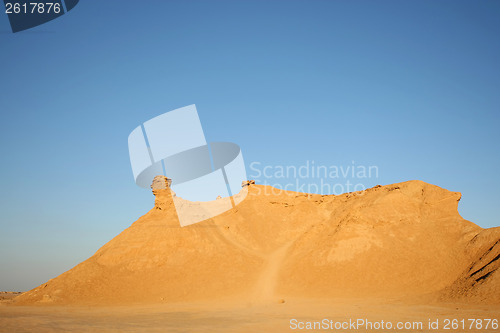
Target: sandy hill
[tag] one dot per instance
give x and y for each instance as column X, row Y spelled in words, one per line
column 393, row 241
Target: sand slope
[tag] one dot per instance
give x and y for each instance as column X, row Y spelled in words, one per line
column 480, row 281
column 393, row 241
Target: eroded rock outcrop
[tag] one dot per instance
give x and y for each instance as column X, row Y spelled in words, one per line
column 399, row 240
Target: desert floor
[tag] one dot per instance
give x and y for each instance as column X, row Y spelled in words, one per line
column 233, row 317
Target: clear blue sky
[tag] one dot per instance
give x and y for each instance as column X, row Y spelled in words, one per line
column 409, row 86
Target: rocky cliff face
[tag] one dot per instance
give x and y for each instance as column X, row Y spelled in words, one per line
column 399, row 240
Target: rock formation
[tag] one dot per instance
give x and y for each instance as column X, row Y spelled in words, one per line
column 161, row 183
column 247, row 183
column 394, row 241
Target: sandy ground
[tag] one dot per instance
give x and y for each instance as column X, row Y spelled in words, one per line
column 235, row 318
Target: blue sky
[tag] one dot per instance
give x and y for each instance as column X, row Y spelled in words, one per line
column 409, row 86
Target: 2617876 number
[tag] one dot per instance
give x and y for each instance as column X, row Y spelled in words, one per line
column 32, row 8
column 470, row 324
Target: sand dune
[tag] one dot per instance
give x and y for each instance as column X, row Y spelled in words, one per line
column 397, row 241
